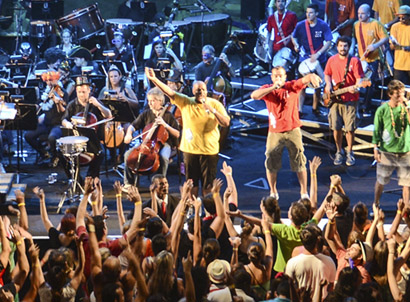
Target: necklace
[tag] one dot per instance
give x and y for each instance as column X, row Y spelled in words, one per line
column 393, row 123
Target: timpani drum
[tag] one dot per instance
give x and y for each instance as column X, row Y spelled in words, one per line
column 132, row 31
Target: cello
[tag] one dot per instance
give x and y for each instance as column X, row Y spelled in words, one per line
column 145, row 158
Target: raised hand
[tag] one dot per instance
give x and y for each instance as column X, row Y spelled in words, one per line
column 88, row 185
column 117, row 187
column 226, row 170
column 216, row 185
column 335, row 180
column 39, row 192
column 331, row 210
column 134, row 194
column 314, row 164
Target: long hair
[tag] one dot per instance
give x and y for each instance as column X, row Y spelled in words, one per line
column 162, row 279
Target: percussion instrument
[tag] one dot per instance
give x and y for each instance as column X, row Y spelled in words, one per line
column 306, row 67
column 285, row 58
column 261, row 50
column 83, row 23
column 72, row 145
column 40, row 29
column 132, row 31
column 333, row 47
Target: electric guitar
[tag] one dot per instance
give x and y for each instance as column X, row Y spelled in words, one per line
column 334, row 97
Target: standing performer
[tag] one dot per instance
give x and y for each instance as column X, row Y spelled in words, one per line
column 391, row 139
column 385, row 11
column 155, row 116
column 201, row 116
column 281, row 99
column 339, row 11
column 400, row 42
column 312, row 38
column 82, row 104
column 297, row 6
column 343, row 70
column 280, row 26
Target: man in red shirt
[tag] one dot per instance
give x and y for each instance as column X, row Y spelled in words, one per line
column 343, row 112
column 281, row 25
column 339, row 11
column 282, row 102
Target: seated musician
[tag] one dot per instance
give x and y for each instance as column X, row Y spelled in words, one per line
column 51, row 111
column 78, row 106
column 53, row 57
column 82, row 58
column 162, row 59
column 66, row 41
column 68, row 83
column 152, row 116
column 122, row 50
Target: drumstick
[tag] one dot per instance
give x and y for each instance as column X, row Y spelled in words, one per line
column 284, row 39
column 367, row 51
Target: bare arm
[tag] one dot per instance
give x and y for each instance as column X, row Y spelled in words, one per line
column 313, row 166
column 135, row 197
column 106, row 113
column 394, row 289
column 372, row 229
column 43, row 210
column 21, row 202
column 197, row 244
column 118, row 197
column 37, row 277
column 261, row 92
column 189, row 282
column 266, row 226
column 76, row 281
column 23, row 265
column 82, row 207
column 331, row 228
column 150, row 74
column 235, row 242
column 219, row 221
column 6, row 249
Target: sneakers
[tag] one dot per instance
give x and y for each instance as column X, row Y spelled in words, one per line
column 350, row 160
column 338, row 159
column 275, row 195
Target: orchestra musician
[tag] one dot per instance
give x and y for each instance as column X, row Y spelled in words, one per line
column 201, row 117
column 68, row 83
column 82, row 58
column 400, row 43
column 339, row 11
column 281, row 25
column 341, row 68
column 53, row 57
column 370, row 35
column 52, row 108
column 312, row 38
column 297, row 6
column 281, row 98
column 84, row 102
column 66, row 41
column 152, row 117
column 123, row 51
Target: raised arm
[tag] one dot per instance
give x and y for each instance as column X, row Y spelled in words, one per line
column 118, row 198
column 189, row 281
column 228, row 221
column 391, row 277
column 78, row 273
column 266, row 226
column 150, row 74
column 6, row 249
column 21, row 203
column 95, row 256
column 397, row 219
column 331, row 228
column 313, row 166
column 43, row 210
column 37, row 277
column 227, row 171
column 82, row 207
column 23, row 265
column 218, row 224
column 373, row 226
column 135, row 197
column 259, row 93
column 197, row 244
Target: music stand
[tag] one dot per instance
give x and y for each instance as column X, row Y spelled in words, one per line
column 122, row 112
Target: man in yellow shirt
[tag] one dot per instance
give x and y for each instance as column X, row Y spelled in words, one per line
column 385, row 11
column 201, row 118
column 370, row 35
column 400, row 42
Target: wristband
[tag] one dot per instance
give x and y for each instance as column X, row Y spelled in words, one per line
column 332, row 186
column 35, row 265
column 91, row 228
column 20, row 242
column 93, row 203
column 141, row 230
column 332, row 221
column 229, row 174
column 312, row 174
column 137, row 203
column 267, row 232
column 235, row 249
column 21, row 204
column 214, row 195
column 399, row 212
column 118, row 195
column 379, row 224
column 183, row 213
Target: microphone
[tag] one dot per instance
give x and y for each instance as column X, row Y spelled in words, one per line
column 277, row 86
column 203, row 102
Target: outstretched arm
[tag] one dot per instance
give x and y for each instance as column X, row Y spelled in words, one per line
column 118, row 197
column 43, row 210
column 150, row 74
column 21, row 202
column 313, row 166
column 218, row 224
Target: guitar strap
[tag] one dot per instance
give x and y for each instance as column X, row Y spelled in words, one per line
column 346, row 69
column 362, row 43
column 309, row 36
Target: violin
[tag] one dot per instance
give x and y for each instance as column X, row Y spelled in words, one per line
column 145, row 158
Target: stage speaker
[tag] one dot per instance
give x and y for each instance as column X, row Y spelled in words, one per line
column 253, row 9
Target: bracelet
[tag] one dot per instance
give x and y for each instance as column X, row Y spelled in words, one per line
column 379, row 224
column 312, row 174
column 183, row 213
column 21, row 204
column 266, row 232
column 36, row 265
column 137, row 203
column 141, row 230
column 235, row 249
column 20, row 242
column 332, row 221
column 118, row 195
column 91, row 228
column 229, row 174
column 332, row 186
column 214, row 195
column 93, row 203
column 399, row 212
column 376, row 148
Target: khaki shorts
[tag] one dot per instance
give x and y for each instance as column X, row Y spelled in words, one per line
column 343, row 114
column 394, row 161
column 275, row 143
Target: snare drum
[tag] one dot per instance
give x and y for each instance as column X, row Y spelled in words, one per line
column 261, row 50
column 285, row 58
column 72, row 145
column 132, row 31
column 306, row 67
column 40, row 29
column 84, row 22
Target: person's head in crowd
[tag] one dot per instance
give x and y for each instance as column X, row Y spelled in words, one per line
column 354, row 236
column 218, row 271
column 256, row 253
column 53, row 57
column 242, row 280
column 68, row 255
column 153, row 227
column 209, row 204
column 298, row 213
column 114, row 76
column 404, row 14
column 159, row 180
column 346, row 286
column 379, row 268
column 312, row 238
column 360, row 253
column 159, row 244
column 208, row 54
column 158, row 48
column 175, row 79
column 112, row 292
column 105, row 253
column 308, row 205
column 360, row 212
column 162, row 279
column 111, row 269
column 363, row 13
column 118, row 40
column 280, row 5
column 211, row 250
column 271, row 205
column 66, row 36
column 395, row 90
column 82, row 88
column 50, row 78
column 369, row 292
column 57, row 267
column 72, row 210
column 280, row 287
column 81, row 56
column 341, row 201
column 67, row 224
column 312, row 11
column 201, row 282
column 246, row 229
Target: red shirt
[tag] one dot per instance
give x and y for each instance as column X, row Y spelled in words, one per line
column 288, row 25
column 335, row 68
column 344, row 10
column 283, row 106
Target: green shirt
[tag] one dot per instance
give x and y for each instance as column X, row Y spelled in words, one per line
column 383, row 133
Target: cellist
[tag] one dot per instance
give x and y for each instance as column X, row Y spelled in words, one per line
column 152, row 115
column 78, row 106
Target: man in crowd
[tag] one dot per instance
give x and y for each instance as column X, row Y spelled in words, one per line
column 281, row 99
column 400, row 42
column 339, row 11
column 201, row 117
column 297, row 6
column 386, row 11
column 343, row 70
column 391, row 139
column 312, row 38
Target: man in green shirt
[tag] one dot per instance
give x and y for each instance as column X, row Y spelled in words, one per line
column 391, row 139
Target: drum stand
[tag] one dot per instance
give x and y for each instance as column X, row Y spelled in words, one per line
column 69, row 194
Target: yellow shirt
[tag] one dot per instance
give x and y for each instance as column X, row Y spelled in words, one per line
column 372, row 30
column 386, row 9
column 200, row 133
column 402, row 34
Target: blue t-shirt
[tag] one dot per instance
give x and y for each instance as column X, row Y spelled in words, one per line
column 320, row 32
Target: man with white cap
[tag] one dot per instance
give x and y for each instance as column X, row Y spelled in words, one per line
column 218, row 271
